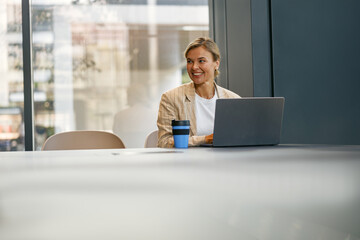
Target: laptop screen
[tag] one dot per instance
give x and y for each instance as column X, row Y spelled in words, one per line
column 248, row 121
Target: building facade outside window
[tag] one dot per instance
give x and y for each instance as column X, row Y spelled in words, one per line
column 11, row 77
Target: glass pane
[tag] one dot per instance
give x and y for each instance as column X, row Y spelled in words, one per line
column 11, row 80
column 103, row 65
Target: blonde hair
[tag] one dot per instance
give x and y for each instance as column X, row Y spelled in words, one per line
column 209, row 45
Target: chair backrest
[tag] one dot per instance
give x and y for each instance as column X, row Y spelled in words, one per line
column 75, row 140
column 151, row 139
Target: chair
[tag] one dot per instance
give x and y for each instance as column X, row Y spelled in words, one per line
column 151, row 139
column 75, row 140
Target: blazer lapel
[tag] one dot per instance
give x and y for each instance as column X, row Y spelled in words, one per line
column 190, row 107
column 221, row 93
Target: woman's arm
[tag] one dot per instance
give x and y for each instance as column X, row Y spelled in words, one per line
column 167, row 113
column 165, row 116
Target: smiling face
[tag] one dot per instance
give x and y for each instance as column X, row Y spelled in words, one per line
column 201, row 65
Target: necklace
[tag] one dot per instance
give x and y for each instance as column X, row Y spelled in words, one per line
column 200, row 95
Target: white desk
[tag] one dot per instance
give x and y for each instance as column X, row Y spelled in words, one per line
column 281, row 192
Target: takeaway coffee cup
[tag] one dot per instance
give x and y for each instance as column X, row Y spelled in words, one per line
column 181, row 131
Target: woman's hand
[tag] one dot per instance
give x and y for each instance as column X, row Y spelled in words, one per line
column 209, row 138
column 171, row 142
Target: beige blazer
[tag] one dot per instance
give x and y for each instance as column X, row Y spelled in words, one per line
column 179, row 104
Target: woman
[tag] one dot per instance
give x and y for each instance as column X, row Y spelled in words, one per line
column 194, row 101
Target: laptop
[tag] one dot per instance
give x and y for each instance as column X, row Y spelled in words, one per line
column 254, row 121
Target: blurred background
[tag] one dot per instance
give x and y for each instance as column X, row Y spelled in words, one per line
column 99, row 65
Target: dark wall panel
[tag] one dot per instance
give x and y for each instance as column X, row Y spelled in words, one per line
column 219, row 34
column 261, row 48
column 239, row 47
column 231, row 22
column 316, row 67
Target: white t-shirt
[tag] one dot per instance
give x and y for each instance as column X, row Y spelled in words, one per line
column 205, row 113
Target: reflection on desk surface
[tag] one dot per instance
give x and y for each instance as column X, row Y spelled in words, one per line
column 279, row 192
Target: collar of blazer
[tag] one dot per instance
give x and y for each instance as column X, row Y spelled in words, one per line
column 190, row 91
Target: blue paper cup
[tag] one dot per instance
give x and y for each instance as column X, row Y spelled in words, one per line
column 181, row 130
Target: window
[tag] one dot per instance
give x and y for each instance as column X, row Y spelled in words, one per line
column 103, row 65
column 11, row 80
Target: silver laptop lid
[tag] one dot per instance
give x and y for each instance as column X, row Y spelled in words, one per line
column 248, row 121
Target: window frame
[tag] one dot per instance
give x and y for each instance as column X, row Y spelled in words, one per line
column 28, row 80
